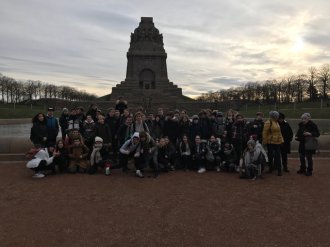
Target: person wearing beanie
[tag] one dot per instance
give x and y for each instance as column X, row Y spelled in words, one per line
column 272, row 137
column 287, row 134
column 307, row 132
column 99, row 157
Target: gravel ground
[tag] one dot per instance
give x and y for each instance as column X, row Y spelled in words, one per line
column 176, row 209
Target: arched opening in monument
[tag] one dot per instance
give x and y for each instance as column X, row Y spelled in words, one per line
column 147, row 79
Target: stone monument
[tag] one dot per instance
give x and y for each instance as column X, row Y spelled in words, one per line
column 146, row 82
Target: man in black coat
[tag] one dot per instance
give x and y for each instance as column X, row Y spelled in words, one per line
column 287, row 134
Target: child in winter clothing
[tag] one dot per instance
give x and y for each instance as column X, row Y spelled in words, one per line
column 128, row 149
column 99, row 157
column 78, row 153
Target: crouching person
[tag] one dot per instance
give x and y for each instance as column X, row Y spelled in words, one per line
column 161, row 158
column 229, row 158
column 61, row 160
column 214, row 153
column 78, row 153
column 127, row 150
column 144, row 153
column 42, row 161
column 99, row 157
column 198, row 154
column 252, row 160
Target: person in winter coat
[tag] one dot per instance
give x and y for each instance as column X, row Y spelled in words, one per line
column 307, row 129
column 185, row 151
column 171, row 127
column 64, row 122
column 89, row 131
column 214, row 146
column 61, row 160
column 239, row 137
column 205, row 125
column 252, row 161
column 52, row 127
column 39, row 133
column 184, row 126
column 113, row 120
column 171, row 150
column 228, row 158
column 218, row 126
column 157, row 128
column 42, row 161
column 256, row 126
column 139, row 124
column 195, row 128
column 78, row 153
column 287, row 134
column 144, row 153
column 125, row 131
column 199, row 151
column 99, row 157
column 272, row 137
column 161, row 158
column 127, row 150
column 103, row 130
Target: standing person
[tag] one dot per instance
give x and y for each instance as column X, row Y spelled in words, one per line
column 171, row 127
column 92, row 111
column 52, row 127
column 184, row 126
column 139, row 124
column 121, row 105
column 195, row 128
column 89, row 131
column 39, row 133
column 256, row 126
column 307, row 130
column 113, row 120
column 272, row 137
column 287, row 134
column 205, row 125
column 239, row 137
column 157, row 128
column 64, row 122
column 218, row 125
column 125, row 131
column 229, row 121
column 103, row 130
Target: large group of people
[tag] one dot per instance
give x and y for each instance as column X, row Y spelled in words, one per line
column 210, row 141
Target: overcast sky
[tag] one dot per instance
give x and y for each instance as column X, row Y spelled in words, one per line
column 210, row 44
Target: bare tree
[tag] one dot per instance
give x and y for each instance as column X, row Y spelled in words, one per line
column 324, row 77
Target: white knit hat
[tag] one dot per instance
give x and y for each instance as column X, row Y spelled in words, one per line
column 98, row 139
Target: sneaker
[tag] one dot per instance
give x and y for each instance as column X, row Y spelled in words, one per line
column 139, row 174
column 38, row 175
column 217, row 169
column 254, row 178
column 107, row 171
column 201, row 170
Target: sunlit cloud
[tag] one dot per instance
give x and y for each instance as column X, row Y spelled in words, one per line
column 210, row 45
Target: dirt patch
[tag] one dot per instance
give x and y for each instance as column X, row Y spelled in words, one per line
column 176, row 209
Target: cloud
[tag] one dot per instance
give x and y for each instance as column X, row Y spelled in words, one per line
column 210, row 45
